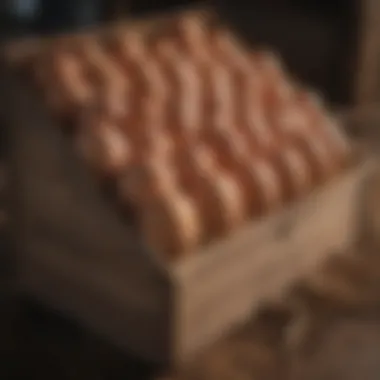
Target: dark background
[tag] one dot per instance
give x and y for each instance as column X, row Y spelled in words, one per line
column 317, row 40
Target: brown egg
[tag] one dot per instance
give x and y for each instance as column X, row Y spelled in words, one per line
column 319, row 156
column 294, row 169
column 129, row 50
column 166, row 55
column 291, row 120
column 170, row 224
column 229, row 196
column 183, row 111
column 104, row 145
column 276, row 88
column 231, row 52
column 312, row 104
column 134, row 59
column 325, row 126
column 246, row 109
column 143, row 121
column 231, row 153
column 247, row 101
column 184, row 107
column 156, row 81
column 166, row 51
column 226, row 144
column 260, row 132
column 164, row 146
column 115, row 101
column 112, row 84
column 262, row 178
column 145, row 180
column 270, row 66
column 234, row 157
column 189, row 172
column 223, row 93
column 189, row 98
column 70, row 79
column 339, row 142
column 133, row 46
column 221, row 193
column 250, row 111
column 130, row 125
column 146, row 123
column 195, row 35
column 190, row 85
column 196, row 177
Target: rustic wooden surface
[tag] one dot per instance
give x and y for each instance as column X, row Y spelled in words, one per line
column 326, row 328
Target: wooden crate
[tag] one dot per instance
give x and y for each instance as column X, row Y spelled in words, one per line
column 76, row 255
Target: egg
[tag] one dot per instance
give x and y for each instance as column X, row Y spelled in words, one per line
column 104, row 145
column 195, row 34
column 223, row 93
column 189, row 98
column 265, row 182
column 276, row 87
column 295, row 172
column 146, row 179
column 171, row 224
column 337, row 140
column 319, row 156
column 131, row 46
column 311, row 103
column 234, row 159
column 69, row 74
column 292, row 121
column 222, row 190
column 112, row 84
column 260, row 133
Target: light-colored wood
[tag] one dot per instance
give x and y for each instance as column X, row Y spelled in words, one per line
column 208, row 295
column 225, row 283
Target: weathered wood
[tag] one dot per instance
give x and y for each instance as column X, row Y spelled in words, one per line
column 77, row 255
column 223, row 284
column 286, row 340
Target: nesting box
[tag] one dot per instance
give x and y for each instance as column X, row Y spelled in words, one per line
column 77, row 255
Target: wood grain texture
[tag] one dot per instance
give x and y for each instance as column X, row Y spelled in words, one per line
column 208, row 302
column 326, row 327
column 285, row 341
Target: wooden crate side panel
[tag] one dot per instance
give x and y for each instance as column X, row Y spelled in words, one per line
column 56, row 193
column 60, row 208
column 133, row 315
column 261, row 262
